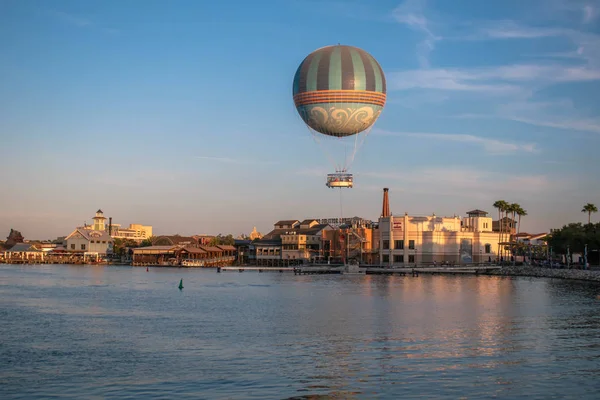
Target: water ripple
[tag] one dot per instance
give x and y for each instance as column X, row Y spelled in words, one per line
column 94, row 332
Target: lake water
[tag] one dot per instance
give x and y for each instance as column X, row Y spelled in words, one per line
column 121, row 332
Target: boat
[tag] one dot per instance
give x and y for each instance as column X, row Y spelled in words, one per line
column 353, row 269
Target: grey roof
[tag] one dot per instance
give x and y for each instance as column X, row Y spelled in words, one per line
column 275, row 234
column 22, row 247
column 174, row 240
column 287, row 222
column 196, row 250
column 155, row 248
column 90, row 234
column 477, row 212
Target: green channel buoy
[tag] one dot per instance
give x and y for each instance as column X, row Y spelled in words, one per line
column 181, row 284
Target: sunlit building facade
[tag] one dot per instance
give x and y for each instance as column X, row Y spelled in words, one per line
column 410, row 240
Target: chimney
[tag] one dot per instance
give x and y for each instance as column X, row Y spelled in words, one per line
column 385, row 212
column 110, row 226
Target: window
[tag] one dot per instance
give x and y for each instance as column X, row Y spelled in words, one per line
column 399, row 244
column 83, row 247
column 488, row 248
column 411, row 258
column 386, row 244
column 411, row 244
column 104, row 241
column 73, row 246
column 399, row 258
column 386, row 258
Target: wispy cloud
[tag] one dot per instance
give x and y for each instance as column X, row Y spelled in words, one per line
column 503, row 79
column 465, row 182
column 558, row 114
column 577, row 125
column 491, row 146
column 411, row 14
column 516, row 84
column 589, row 13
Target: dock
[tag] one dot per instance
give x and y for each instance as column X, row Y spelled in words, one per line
column 256, row 269
column 370, row 270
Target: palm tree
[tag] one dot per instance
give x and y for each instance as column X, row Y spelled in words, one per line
column 513, row 208
column 589, row 208
column 501, row 205
column 521, row 213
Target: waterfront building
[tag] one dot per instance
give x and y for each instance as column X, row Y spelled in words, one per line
column 313, row 240
column 203, row 240
column 507, row 224
column 175, row 240
column 24, row 253
column 187, row 256
column 347, row 243
column 410, row 240
column 245, row 251
column 304, row 242
column 90, row 241
column 154, row 255
column 136, row 232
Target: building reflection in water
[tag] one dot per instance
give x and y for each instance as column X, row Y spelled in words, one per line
column 427, row 317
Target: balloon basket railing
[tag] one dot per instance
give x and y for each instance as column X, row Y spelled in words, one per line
column 340, row 179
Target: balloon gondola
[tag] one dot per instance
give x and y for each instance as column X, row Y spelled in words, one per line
column 339, row 92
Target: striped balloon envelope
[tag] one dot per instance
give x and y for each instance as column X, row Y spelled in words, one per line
column 339, row 90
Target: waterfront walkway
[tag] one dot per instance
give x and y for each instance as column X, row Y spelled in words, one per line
column 339, row 269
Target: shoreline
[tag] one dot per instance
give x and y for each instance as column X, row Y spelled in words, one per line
column 536, row 272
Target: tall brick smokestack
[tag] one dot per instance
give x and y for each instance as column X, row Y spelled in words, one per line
column 110, row 226
column 385, row 212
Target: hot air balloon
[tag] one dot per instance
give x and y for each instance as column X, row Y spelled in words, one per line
column 339, row 92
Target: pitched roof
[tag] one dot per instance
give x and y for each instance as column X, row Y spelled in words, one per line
column 194, row 250
column 23, row 247
column 275, row 234
column 304, row 231
column 523, row 234
column 477, row 212
column 90, row 234
column 308, row 221
column 212, row 249
column 226, row 247
column 287, row 222
column 174, row 240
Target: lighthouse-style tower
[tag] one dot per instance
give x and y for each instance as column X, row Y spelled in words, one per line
column 99, row 221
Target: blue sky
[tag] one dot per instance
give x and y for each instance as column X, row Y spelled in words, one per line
column 179, row 114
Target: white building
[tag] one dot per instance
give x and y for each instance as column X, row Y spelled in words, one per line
column 135, row 232
column 406, row 240
column 90, row 241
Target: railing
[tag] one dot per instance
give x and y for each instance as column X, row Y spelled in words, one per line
column 190, row 262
